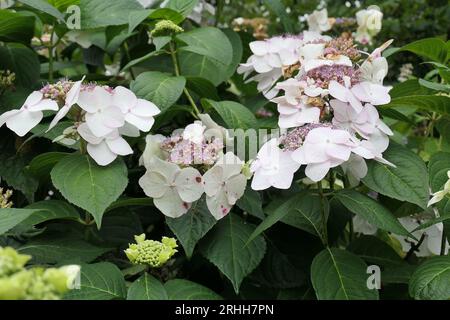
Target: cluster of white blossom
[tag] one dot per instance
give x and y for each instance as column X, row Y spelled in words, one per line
column 100, row 115
column 328, row 107
column 190, row 162
column 368, row 22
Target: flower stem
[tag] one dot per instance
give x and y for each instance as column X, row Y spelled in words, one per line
column 414, row 248
column 176, row 67
column 127, row 54
column 50, row 58
column 83, row 147
column 443, row 243
column 324, row 214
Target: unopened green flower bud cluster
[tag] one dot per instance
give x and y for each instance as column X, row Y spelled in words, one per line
column 166, row 28
column 4, row 198
column 18, row 283
column 150, row 252
column 7, row 78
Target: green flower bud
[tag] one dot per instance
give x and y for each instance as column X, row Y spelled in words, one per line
column 11, row 261
column 7, row 78
column 56, row 278
column 4, row 198
column 151, row 252
column 11, row 289
column 246, row 170
column 165, row 28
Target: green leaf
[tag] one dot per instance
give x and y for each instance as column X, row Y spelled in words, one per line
column 237, row 48
column 375, row 251
column 45, row 7
column 41, row 166
column 277, row 271
column 207, row 41
column 225, row 248
column 396, row 115
column 438, row 166
column 439, row 104
column 62, row 5
column 209, row 54
column 431, row 48
column 22, row 61
column 192, row 226
column 371, row 210
column 13, row 171
column 307, row 214
column 340, row 275
column 235, row 115
column 184, row 7
column 9, row 218
column 100, row 281
column 58, row 250
column 147, row 288
column 160, row 88
column 302, row 211
column 431, row 280
column 99, row 13
column 203, row 87
column 251, row 203
column 410, row 87
column 180, row 289
column 118, row 228
column 434, row 85
column 15, row 26
column 88, row 185
column 398, row 274
column 128, row 202
column 406, row 182
column 48, row 210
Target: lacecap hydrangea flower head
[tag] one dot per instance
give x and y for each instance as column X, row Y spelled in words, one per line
column 189, row 163
column 327, row 94
column 150, row 252
column 100, row 116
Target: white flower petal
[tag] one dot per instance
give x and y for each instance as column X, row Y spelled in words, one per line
column 154, row 184
column 171, row 205
column 124, row 98
column 101, row 153
column 145, row 108
column 119, row 146
column 45, row 104
column 142, row 123
column 189, row 184
column 235, row 188
column 33, row 99
column 317, row 171
column 213, row 180
column 22, row 122
column 97, row 99
column 218, row 205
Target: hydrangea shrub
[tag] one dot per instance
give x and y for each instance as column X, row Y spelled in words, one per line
column 280, row 166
